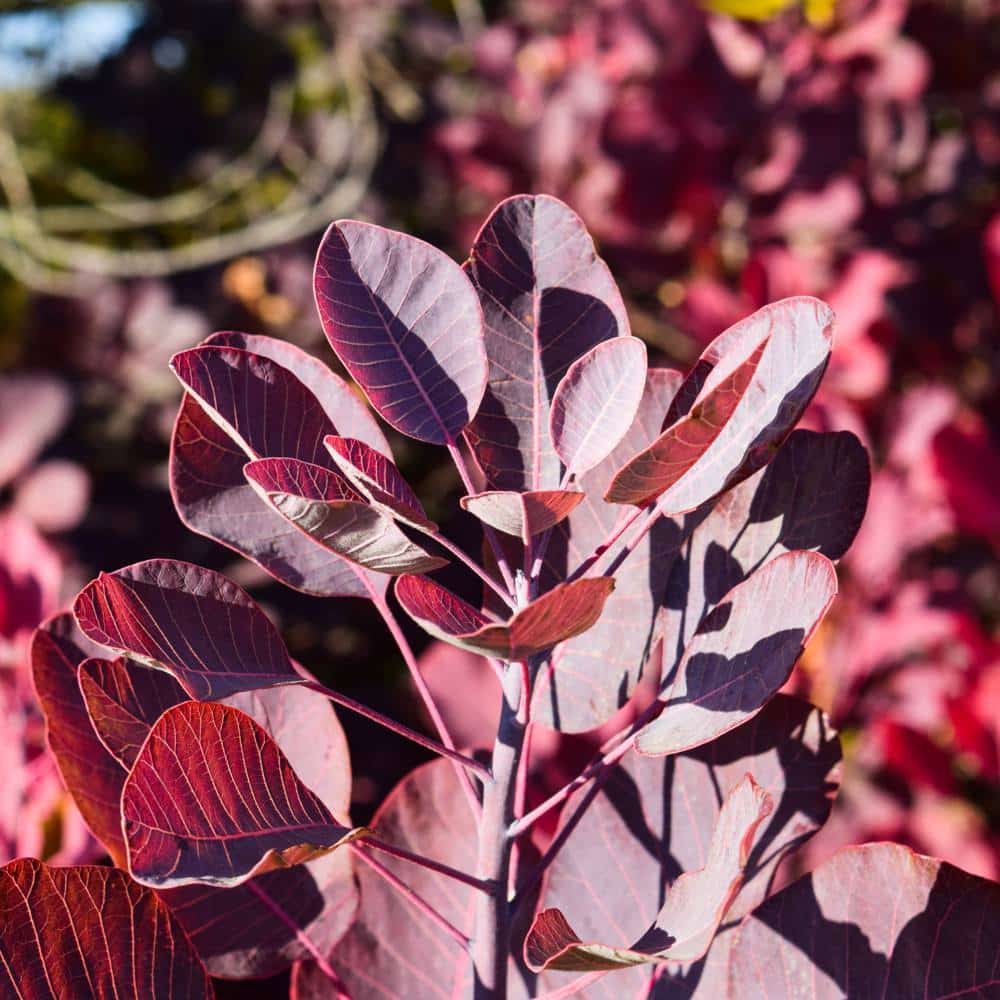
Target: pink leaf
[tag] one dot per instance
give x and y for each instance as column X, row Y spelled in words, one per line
column 596, row 401
column 405, row 322
column 374, row 475
column 742, row 652
column 326, row 508
column 33, row 409
column 211, row 798
column 189, row 621
column 91, row 932
column 873, row 916
column 695, row 904
column 296, row 401
column 547, row 299
column 568, row 610
column 522, row 514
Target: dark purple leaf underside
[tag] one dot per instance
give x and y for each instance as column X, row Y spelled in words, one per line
column 379, row 480
column 292, row 393
column 547, row 299
column 742, row 652
column 212, row 799
column 568, row 610
column 653, row 820
column 596, row 402
column 405, row 322
column 522, row 514
column 324, row 506
column 876, row 920
column 694, row 907
column 90, row 932
column 812, row 496
column 189, row 621
column 123, row 700
column 393, row 952
column 91, row 775
column 586, row 680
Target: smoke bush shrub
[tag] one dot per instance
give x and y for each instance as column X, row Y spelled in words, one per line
column 653, row 542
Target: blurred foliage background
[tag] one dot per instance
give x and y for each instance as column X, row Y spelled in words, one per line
column 166, row 169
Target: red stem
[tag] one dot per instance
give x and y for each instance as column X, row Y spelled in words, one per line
column 413, row 898
column 624, row 523
column 475, row 567
column 435, row 866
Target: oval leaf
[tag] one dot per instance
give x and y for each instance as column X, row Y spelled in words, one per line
column 522, row 514
column 325, row 507
column 690, row 915
column 746, row 393
column 547, row 299
column 378, row 479
column 568, row 610
column 406, row 323
column 294, row 398
column 876, row 916
column 212, row 799
column 596, row 402
column 91, row 932
column 742, row 652
column 189, row 621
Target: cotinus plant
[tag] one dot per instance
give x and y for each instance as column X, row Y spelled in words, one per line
column 643, row 530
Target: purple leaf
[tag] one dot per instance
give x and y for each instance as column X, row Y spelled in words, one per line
column 212, row 799
column 547, row 299
column 393, row 952
column 596, row 402
column 378, row 479
column 189, row 621
column 694, row 907
column 405, row 322
column 742, row 652
column 730, row 426
column 91, row 775
column 567, row 610
column 33, row 409
column 653, row 818
column 90, row 932
column 325, row 507
column 522, row 514
column 123, row 700
column 586, row 680
column 293, row 393
column 812, row 496
column 873, row 920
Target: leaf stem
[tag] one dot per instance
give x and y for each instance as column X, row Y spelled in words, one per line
column 303, row 939
column 435, row 866
column 474, row 566
column 624, row 523
column 426, row 742
column 415, row 900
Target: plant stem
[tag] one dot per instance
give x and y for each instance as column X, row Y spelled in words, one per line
column 429, row 864
column 397, row 727
column 413, row 898
column 624, row 523
column 303, row 939
column 491, row 936
column 474, row 566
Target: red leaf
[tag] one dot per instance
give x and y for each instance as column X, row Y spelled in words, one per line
column 547, row 299
column 570, row 609
column 292, row 393
column 323, row 506
column 91, row 932
column 522, row 514
column 189, row 621
column 752, row 385
column 742, row 652
column 91, row 775
column 212, row 799
column 695, row 904
column 873, row 916
column 405, row 322
column 596, row 401
column 374, row 475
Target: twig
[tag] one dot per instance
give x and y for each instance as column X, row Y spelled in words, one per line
column 435, row 866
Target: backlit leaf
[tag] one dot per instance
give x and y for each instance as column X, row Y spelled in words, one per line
column 522, row 514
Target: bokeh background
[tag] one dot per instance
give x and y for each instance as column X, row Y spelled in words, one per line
column 166, row 169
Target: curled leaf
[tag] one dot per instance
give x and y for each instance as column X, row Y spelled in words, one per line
column 522, row 514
